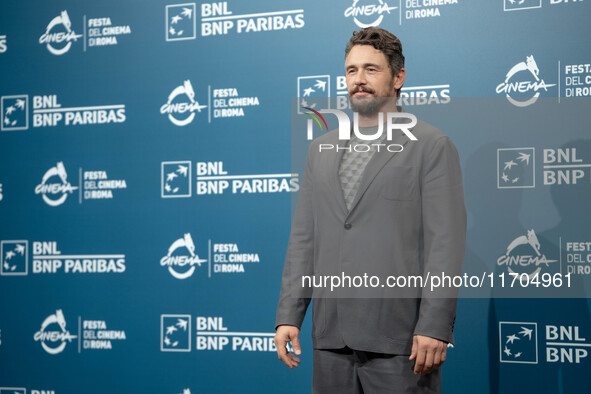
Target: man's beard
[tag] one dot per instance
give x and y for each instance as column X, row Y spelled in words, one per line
column 368, row 106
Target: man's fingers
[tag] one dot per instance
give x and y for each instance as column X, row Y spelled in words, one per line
column 293, row 361
column 420, row 360
column 440, row 355
column 281, row 339
column 295, row 343
column 280, row 344
column 413, row 351
column 288, row 359
column 429, row 353
column 428, row 362
column 437, row 359
column 281, row 353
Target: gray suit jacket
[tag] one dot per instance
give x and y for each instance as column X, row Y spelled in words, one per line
column 408, row 218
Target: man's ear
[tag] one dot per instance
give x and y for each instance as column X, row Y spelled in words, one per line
column 399, row 79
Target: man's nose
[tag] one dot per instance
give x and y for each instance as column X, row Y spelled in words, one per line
column 360, row 78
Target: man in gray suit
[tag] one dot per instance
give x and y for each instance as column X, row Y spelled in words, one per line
column 388, row 213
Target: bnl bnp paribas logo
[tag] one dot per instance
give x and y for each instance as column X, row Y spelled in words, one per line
column 14, row 257
column 314, row 91
column 517, row 5
column 518, row 343
column 218, row 19
column 367, row 13
column 523, row 84
column 15, row 112
column 211, row 334
column 516, row 167
column 46, row 258
column 16, row 390
column 175, row 333
column 212, row 179
column 59, row 35
column 180, row 22
column 48, row 112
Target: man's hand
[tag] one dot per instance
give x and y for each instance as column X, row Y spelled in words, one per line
column 286, row 334
column 429, row 353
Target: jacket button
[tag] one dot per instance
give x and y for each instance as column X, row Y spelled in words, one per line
column 347, row 225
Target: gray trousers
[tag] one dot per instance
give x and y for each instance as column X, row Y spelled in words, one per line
column 347, row 371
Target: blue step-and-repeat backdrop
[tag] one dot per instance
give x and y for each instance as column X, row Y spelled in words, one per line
column 146, row 184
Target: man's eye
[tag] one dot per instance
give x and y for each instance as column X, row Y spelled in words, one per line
column 371, row 69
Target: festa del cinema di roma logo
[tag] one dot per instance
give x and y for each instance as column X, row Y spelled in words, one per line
column 517, row 256
column 55, row 193
column 53, row 334
column 59, row 35
column 181, row 111
column 177, row 257
column 517, row 83
column 92, row 334
column 367, row 12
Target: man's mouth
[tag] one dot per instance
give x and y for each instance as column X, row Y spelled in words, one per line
column 362, row 93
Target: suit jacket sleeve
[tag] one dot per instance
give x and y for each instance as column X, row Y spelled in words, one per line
column 294, row 299
column 444, row 236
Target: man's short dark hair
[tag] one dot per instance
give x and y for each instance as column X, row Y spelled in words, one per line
column 382, row 40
